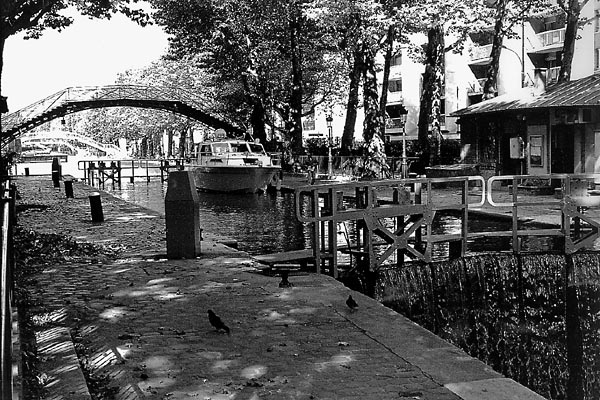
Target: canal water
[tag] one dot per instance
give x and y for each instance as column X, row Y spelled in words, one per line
column 266, row 223
column 260, row 223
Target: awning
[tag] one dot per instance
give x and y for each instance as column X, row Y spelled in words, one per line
column 583, row 92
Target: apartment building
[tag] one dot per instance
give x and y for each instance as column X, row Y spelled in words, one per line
column 536, row 126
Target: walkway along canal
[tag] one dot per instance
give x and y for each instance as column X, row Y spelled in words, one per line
column 533, row 316
column 139, row 324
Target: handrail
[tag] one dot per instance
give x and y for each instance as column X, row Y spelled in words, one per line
column 416, row 209
column 6, row 282
column 565, row 183
column 388, row 184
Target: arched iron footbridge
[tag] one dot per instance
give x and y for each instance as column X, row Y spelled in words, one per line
column 76, row 99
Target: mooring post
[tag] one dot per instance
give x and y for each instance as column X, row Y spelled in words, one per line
column 69, row 189
column 182, row 215
column 90, row 173
column 56, row 172
column 96, row 207
column 132, row 177
column 119, row 173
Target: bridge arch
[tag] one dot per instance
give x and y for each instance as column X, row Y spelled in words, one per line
column 74, row 99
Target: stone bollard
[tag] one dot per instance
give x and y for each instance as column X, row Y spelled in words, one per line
column 96, row 207
column 56, row 172
column 69, row 189
column 182, row 215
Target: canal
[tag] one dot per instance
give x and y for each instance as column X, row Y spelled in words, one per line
column 266, row 223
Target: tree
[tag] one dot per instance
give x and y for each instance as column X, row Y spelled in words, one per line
column 134, row 124
column 266, row 52
column 505, row 14
column 440, row 19
column 572, row 9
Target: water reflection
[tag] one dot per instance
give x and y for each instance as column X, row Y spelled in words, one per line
column 261, row 223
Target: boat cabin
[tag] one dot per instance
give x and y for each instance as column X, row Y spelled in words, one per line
column 232, row 152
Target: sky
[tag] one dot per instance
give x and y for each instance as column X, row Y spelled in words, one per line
column 87, row 53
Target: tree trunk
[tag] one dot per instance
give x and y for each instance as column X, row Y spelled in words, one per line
column 489, row 88
column 374, row 161
column 387, row 64
column 257, row 120
column 372, row 124
column 573, row 12
column 182, row 142
column 429, row 116
column 352, row 104
column 169, row 149
column 297, row 81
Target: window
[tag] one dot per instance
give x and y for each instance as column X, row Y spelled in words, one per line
column 536, row 151
column 597, row 21
column 205, row 150
column 395, row 85
column 396, row 59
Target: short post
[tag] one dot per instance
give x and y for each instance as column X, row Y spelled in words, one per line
column 56, row 172
column 69, row 189
column 182, row 215
column 96, row 207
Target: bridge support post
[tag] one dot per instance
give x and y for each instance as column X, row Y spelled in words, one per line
column 182, row 215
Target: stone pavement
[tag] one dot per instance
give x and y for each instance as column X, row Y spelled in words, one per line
column 141, row 322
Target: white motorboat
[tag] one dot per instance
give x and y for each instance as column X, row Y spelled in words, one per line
column 231, row 165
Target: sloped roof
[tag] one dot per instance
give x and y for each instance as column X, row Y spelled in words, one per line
column 584, row 92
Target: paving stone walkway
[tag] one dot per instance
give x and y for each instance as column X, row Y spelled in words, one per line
column 141, row 320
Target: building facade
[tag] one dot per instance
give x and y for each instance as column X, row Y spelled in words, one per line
column 537, row 126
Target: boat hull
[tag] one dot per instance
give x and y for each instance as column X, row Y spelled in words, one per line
column 242, row 179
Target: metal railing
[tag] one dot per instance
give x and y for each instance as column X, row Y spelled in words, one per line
column 7, row 285
column 413, row 203
column 549, row 38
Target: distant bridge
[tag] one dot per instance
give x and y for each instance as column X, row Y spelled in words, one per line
column 76, row 99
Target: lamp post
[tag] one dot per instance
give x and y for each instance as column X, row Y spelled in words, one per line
column 403, row 118
column 329, row 120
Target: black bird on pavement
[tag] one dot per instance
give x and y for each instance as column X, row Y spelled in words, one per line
column 351, row 303
column 216, row 322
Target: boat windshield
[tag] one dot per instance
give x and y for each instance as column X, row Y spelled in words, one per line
column 256, row 148
column 239, row 147
column 219, row 148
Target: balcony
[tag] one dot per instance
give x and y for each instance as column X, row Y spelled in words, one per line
column 550, row 38
column 550, row 41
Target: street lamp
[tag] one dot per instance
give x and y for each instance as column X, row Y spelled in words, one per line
column 403, row 118
column 329, row 120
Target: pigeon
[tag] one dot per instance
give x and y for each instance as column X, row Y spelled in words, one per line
column 351, row 303
column 216, row 322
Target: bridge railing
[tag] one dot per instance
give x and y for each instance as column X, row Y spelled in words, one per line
column 397, row 215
